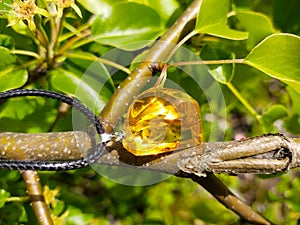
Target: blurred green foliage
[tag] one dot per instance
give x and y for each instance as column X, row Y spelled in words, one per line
column 61, row 53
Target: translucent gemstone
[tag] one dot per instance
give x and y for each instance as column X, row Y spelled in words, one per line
column 161, row 120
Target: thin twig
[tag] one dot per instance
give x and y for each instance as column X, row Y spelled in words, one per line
column 208, row 62
column 35, row 193
column 229, row 200
column 98, row 59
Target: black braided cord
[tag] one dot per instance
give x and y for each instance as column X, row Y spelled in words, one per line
column 55, row 165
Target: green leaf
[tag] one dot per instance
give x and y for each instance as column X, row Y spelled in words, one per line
column 118, row 29
column 77, row 217
column 258, row 25
column 10, row 75
column 85, row 89
column 164, row 8
column 4, row 195
column 274, row 113
column 278, row 56
column 27, row 114
column 294, row 96
column 221, row 73
column 80, row 62
column 212, row 19
column 19, row 108
column 85, row 66
column 6, row 58
column 6, row 41
column 99, row 6
column 211, row 213
column 292, row 123
column 12, row 79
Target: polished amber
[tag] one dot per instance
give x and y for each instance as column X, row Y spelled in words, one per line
column 161, row 120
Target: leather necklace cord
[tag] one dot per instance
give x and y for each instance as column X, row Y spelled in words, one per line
column 93, row 154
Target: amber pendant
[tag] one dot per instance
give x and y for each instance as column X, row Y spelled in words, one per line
column 161, row 120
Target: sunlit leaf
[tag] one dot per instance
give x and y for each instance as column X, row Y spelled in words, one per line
column 278, row 56
column 76, row 216
column 258, row 25
column 102, row 7
column 27, row 114
column 118, row 29
column 164, row 8
column 222, row 73
column 12, row 79
column 211, row 213
column 6, row 58
column 4, row 195
column 212, row 19
column 6, row 41
column 86, row 89
column 274, row 113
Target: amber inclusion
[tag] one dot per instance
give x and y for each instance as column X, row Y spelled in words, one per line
column 161, row 120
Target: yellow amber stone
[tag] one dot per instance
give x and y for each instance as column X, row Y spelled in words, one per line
column 161, row 120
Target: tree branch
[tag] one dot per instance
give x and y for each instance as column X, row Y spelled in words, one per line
column 262, row 155
column 266, row 154
column 44, row 146
column 37, row 199
column 129, row 88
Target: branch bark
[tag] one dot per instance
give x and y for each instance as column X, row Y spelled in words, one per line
column 37, row 199
column 263, row 154
column 266, row 154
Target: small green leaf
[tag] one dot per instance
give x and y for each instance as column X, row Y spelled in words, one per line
column 6, row 41
column 12, row 79
column 211, row 213
column 292, row 123
column 258, row 25
column 6, row 58
column 77, row 217
column 118, row 29
column 294, row 96
column 274, row 113
column 221, row 73
column 212, row 19
column 4, row 195
column 278, row 56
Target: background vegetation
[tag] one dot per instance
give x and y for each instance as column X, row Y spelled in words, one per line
column 53, row 49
